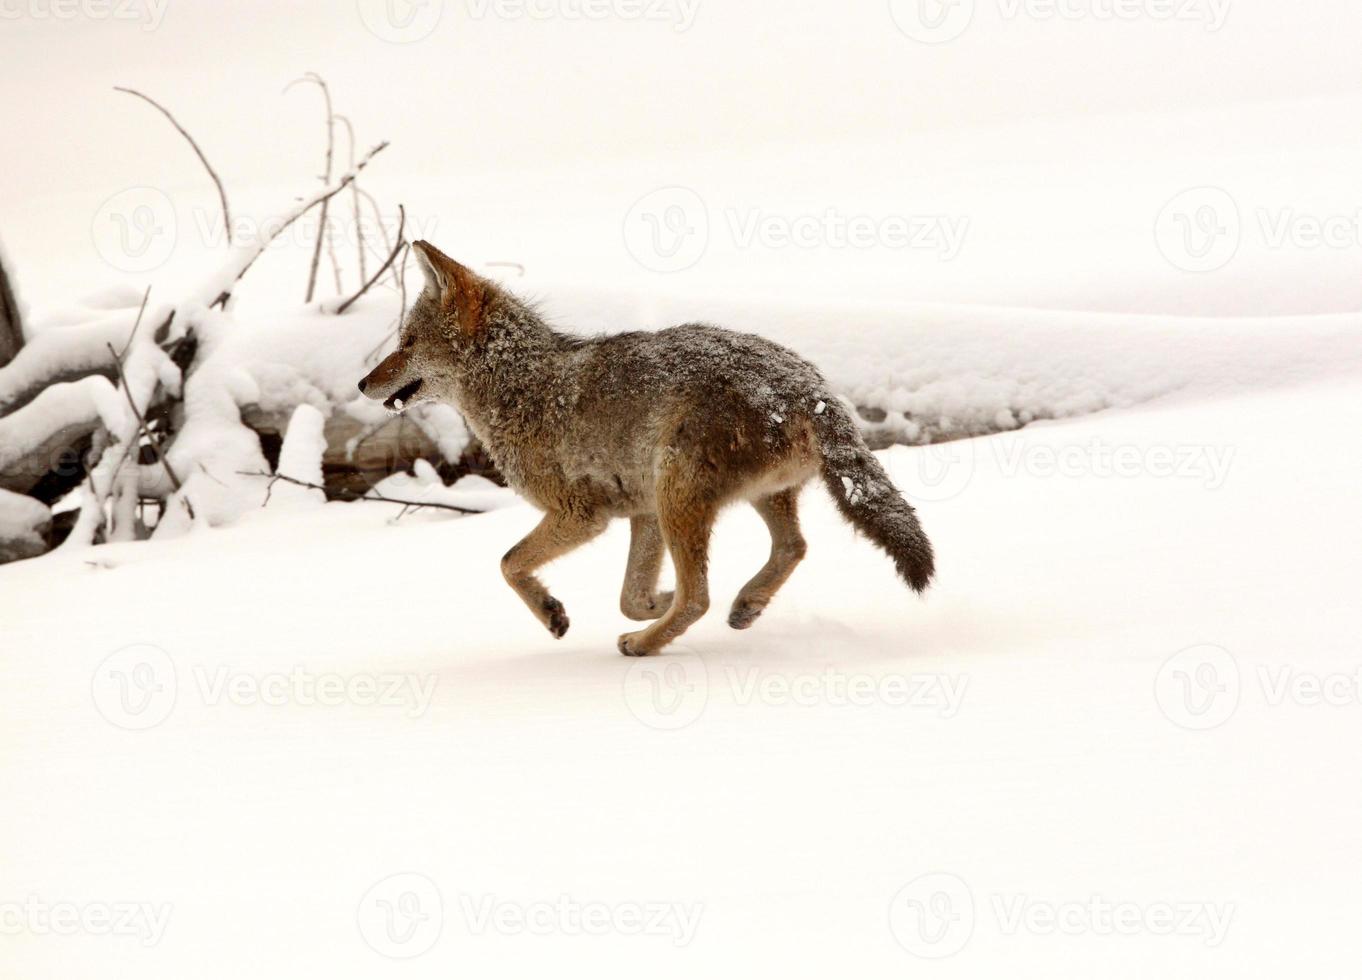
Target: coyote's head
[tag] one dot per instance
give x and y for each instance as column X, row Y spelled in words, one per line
column 441, row 325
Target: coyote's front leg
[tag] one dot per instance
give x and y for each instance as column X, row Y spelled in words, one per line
column 558, row 533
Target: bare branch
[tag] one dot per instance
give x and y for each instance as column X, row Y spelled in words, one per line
column 401, row 244
column 136, row 323
column 11, row 328
column 259, row 247
column 378, row 220
column 331, row 254
column 146, row 432
column 320, row 82
column 354, row 199
column 222, row 194
column 371, row 495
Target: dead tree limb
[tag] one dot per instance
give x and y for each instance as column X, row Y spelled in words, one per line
column 145, row 432
column 222, row 194
column 401, row 244
column 135, row 324
column 354, row 199
column 258, row 247
column 320, row 82
column 372, row 495
column 11, row 329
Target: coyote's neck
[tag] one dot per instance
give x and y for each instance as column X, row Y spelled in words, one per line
column 510, row 381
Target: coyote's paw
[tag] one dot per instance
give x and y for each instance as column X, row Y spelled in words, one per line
column 744, row 613
column 631, row 645
column 556, row 617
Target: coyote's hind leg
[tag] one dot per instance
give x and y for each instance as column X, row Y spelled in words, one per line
column 686, row 515
column 639, row 599
column 780, row 512
column 558, row 533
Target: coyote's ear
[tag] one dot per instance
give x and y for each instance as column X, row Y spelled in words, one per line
column 459, row 289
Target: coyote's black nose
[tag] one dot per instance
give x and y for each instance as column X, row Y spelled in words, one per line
column 363, row 383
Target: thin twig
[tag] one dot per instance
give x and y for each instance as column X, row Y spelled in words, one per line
column 136, row 323
column 373, row 496
column 331, row 254
column 373, row 431
column 380, row 225
column 146, row 432
column 354, row 199
column 401, row 243
column 222, row 194
column 208, row 473
column 320, row 82
column 402, row 311
column 259, row 247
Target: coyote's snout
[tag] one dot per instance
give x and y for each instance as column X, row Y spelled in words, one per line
column 661, row 428
column 391, row 382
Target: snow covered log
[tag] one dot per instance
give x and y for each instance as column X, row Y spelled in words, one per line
column 359, row 453
column 11, row 326
column 35, row 439
column 24, row 526
column 62, row 354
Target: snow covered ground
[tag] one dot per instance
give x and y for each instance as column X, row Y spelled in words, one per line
column 1118, row 738
column 319, row 699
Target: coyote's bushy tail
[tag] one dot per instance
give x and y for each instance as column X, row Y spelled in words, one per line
column 863, row 493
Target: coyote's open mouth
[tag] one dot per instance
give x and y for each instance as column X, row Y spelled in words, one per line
column 403, row 395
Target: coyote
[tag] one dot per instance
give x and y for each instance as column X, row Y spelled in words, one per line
column 661, row 428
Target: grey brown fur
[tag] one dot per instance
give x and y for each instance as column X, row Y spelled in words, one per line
column 661, row 428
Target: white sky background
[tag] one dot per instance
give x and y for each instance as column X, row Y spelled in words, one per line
column 528, row 138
